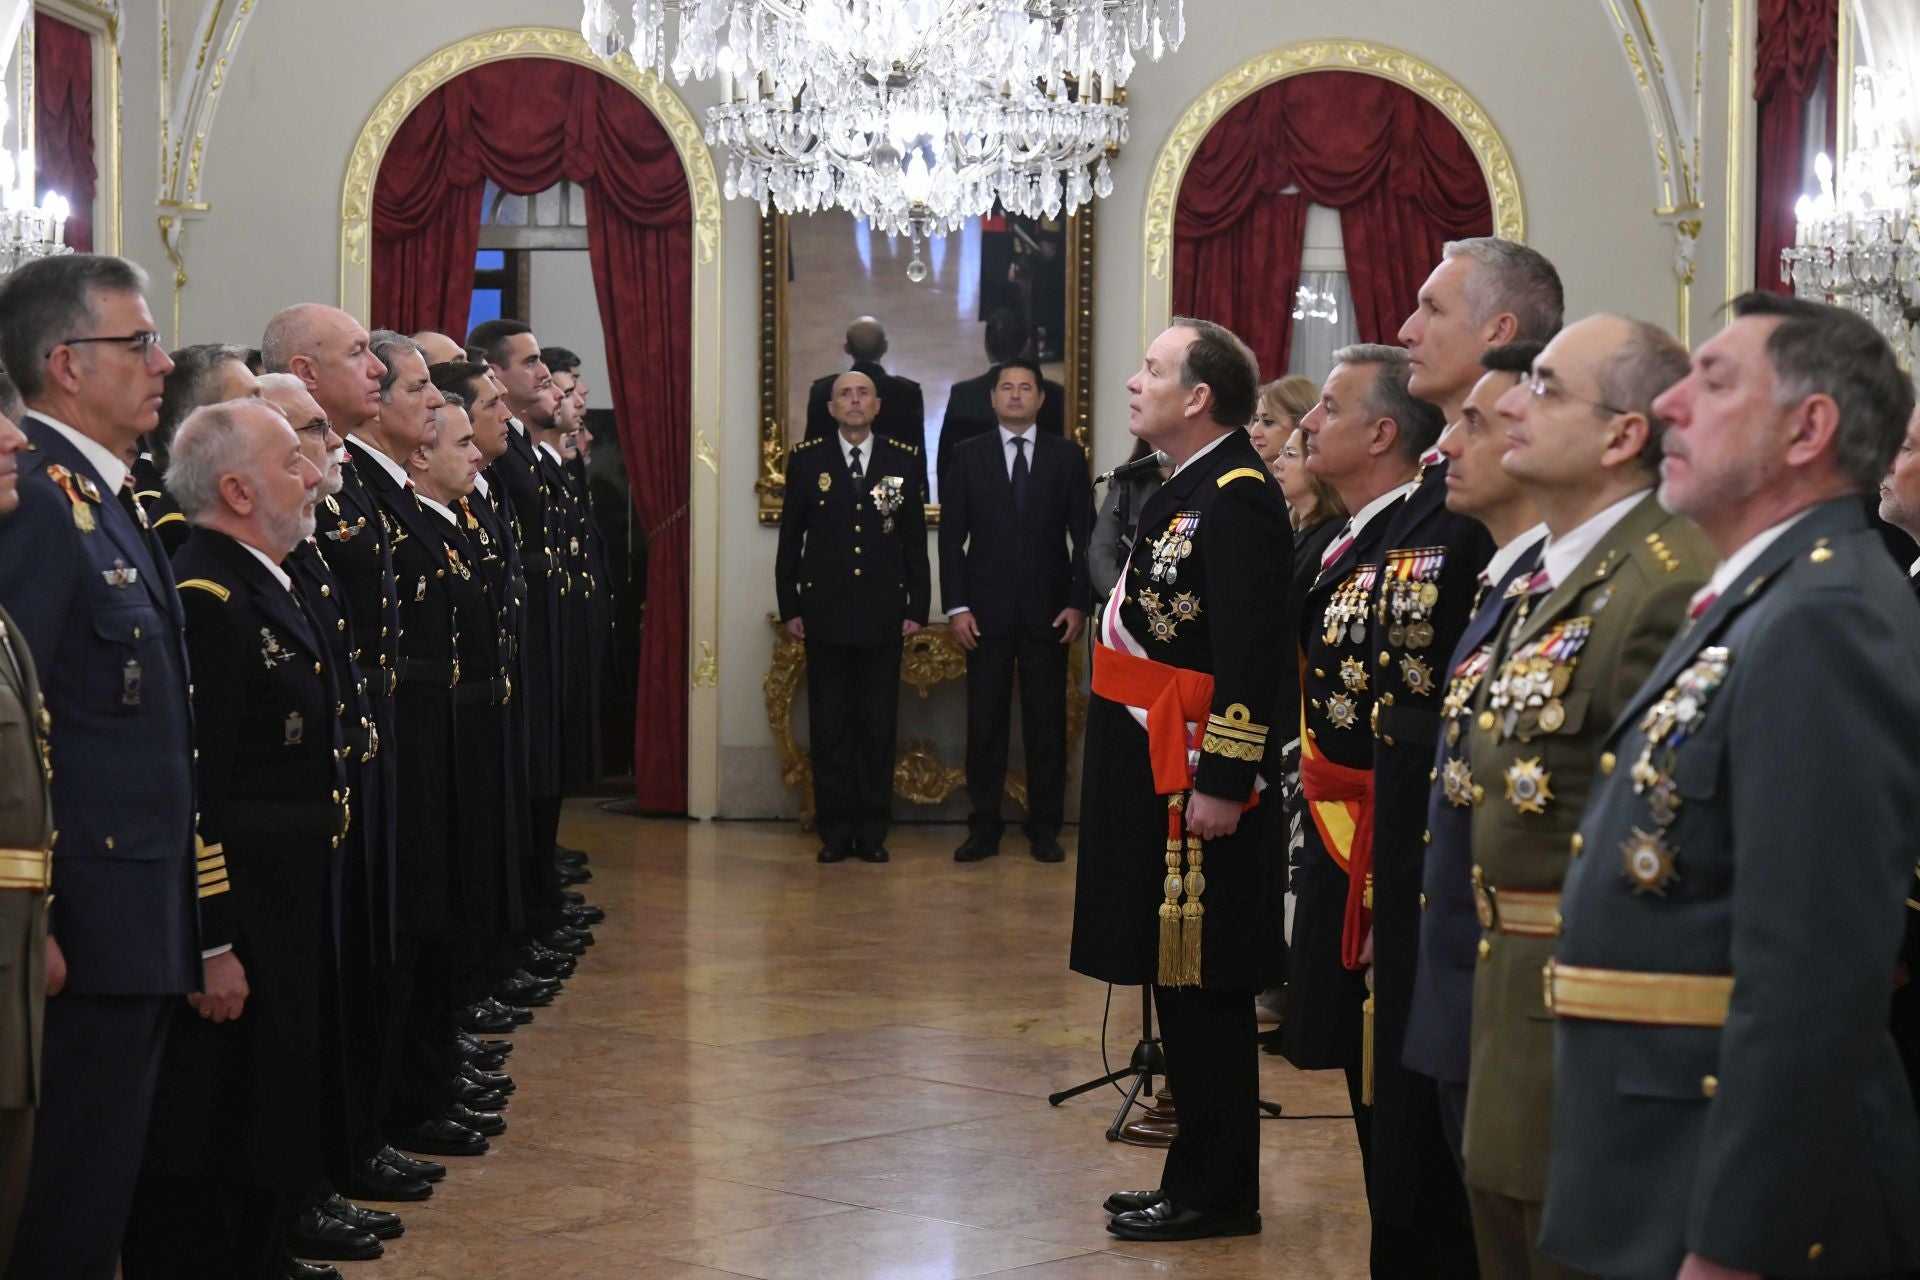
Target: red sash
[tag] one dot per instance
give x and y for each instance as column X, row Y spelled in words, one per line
column 1340, row 801
column 1171, row 696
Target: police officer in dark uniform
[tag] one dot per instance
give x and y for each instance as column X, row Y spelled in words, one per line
column 1176, row 886
column 81, row 577
column 238, row 1141
column 853, row 582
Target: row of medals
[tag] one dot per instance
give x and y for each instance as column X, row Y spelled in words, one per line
column 1408, row 601
column 1646, row 856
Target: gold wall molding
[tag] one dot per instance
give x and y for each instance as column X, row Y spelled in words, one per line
column 1741, row 52
column 1425, row 79
column 930, row 657
column 706, row 459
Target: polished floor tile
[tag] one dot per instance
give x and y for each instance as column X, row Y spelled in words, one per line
column 772, row 1068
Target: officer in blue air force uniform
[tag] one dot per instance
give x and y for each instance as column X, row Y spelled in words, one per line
column 1728, row 1102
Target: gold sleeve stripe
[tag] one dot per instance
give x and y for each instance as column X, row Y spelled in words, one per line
column 216, row 888
column 1232, row 750
column 1240, row 735
column 207, row 585
column 212, row 875
column 1237, row 723
column 1237, row 473
column 144, row 494
column 169, row 518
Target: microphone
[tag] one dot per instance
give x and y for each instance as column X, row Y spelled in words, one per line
column 1125, row 469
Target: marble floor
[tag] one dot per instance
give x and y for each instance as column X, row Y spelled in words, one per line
column 773, row 1068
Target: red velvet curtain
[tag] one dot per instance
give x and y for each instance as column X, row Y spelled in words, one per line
column 1796, row 55
column 1404, row 179
column 526, row 124
column 63, row 121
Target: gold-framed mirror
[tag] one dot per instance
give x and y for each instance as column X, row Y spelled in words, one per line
column 820, row 272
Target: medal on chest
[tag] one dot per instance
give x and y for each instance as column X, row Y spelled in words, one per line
column 1460, row 689
column 1647, row 858
column 1173, row 544
column 1345, row 618
column 1410, row 591
column 1525, row 696
column 1164, row 619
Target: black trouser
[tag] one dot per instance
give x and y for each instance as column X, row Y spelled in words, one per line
column 422, row 1028
column 98, row 1069
column 539, row 881
column 1453, row 1119
column 853, row 704
column 1213, row 1072
column 1042, row 663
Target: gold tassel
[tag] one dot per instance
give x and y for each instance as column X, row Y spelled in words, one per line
column 1169, row 968
column 1366, row 1045
column 1192, row 915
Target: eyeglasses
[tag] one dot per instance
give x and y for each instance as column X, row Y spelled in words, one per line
column 142, row 344
column 318, row 427
column 1541, row 389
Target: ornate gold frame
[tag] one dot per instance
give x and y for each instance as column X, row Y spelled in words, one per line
column 356, row 271
column 1459, row 106
column 771, row 484
column 930, row 657
column 101, row 19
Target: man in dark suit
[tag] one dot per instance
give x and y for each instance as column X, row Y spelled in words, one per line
column 1727, row 1100
column 83, row 579
column 238, row 1141
column 26, row 838
column 903, row 411
column 1013, row 579
column 1441, row 1010
column 970, row 404
column 1188, row 657
column 853, row 610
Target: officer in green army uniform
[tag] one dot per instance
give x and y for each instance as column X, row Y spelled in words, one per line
column 1728, row 1102
column 1615, row 577
column 26, row 838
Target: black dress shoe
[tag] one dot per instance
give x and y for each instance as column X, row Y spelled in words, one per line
column 1168, row 1221
column 375, row 1179
column 828, row 854
column 292, row 1268
column 315, row 1233
column 377, row 1223
column 583, row 914
column 552, row 986
column 521, row 995
column 478, row 1018
column 472, row 1044
column 565, row 943
column 477, row 1097
column 1128, row 1201
column 977, row 849
column 572, row 857
column 484, row 1061
column 498, row 1081
column 543, row 962
column 488, row 1124
column 571, row 875
column 572, row 897
column 441, row 1137
column 873, row 853
column 516, row 1017
column 425, row 1170
column 1048, row 851
column 579, row 933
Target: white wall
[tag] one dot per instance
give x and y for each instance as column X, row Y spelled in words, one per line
column 1550, row 76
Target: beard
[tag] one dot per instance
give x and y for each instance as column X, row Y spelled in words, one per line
column 291, row 528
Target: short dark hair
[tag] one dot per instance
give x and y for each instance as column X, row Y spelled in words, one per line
column 383, row 343
column 1007, row 335
column 1818, row 349
column 49, row 300
column 190, row 385
column 457, row 378
column 1419, row 422
column 1515, row 357
column 1017, row 362
column 1227, row 365
column 256, row 363
column 491, row 337
column 559, row 360
column 1638, row 373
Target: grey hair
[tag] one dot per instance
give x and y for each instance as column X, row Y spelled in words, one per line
column 281, row 382
column 1419, row 423
column 50, row 300
column 1509, row 277
column 384, row 343
column 1643, row 367
column 1822, row 350
column 210, row 444
column 454, row 399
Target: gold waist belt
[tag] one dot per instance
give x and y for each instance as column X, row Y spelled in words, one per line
column 1524, row 913
column 26, row 869
column 1615, row 995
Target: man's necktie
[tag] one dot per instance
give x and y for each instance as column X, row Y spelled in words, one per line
column 1338, row 547
column 1019, row 472
column 853, row 464
column 1701, row 603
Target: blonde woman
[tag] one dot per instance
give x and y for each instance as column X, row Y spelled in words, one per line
column 1282, row 404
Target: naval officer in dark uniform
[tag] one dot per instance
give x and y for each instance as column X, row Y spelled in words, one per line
column 83, row 578
column 1179, row 885
column 1728, row 1103
column 853, row 582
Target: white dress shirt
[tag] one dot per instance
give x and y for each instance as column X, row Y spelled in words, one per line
column 865, row 446
column 443, row 512
column 1563, row 555
column 1358, row 522
column 113, row 472
column 1007, row 454
column 1200, row 453
column 1730, row 569
column 1506, row 556
column 279, row 574
column 392, row 468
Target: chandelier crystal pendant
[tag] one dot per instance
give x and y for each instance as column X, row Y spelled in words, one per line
column 27, row 230
column 1857, row 243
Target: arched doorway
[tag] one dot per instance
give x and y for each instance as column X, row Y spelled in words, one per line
column 525, row 108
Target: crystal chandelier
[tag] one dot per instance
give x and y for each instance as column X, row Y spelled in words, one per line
column 1858, row 242
column 913, row 114
column 27, row 230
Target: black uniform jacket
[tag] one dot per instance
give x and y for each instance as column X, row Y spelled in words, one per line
column 164, row 517
column 1783, row 1142
column 840, row 567
column 514, row 480
column 1322, row 1028
column 274, row 807
column 1016, row 569
column 96, row 606
column 1219, row 613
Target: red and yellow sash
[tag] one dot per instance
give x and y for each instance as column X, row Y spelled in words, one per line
column 1340, row 802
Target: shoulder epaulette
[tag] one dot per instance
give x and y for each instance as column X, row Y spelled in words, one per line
column 207, row 585
column 1667, row 559
column 901, row 444
column 808, row 444
column 1240, row 473
column 169, row 518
